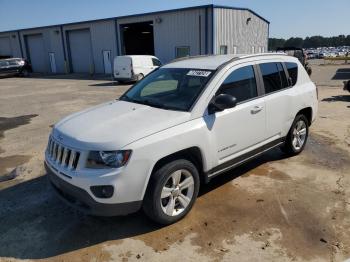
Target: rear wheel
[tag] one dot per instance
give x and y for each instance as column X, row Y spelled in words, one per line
column 172, row 192
column 297, row 136
column 139, row 77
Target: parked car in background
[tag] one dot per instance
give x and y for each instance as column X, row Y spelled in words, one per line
column 14, row 66
column 182, row 125
column 298, row 53
column 134, row 67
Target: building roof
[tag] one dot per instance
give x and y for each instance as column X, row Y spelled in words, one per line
column 142, row 14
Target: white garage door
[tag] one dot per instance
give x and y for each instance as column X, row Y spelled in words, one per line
column 80, row 50
column 37, row 56
column 5, row 46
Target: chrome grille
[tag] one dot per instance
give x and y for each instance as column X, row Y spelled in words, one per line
column 62, row 156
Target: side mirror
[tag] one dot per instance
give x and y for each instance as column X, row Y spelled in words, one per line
column 222, row 102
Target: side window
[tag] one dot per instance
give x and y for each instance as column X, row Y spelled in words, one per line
column 4, row 63
column 182, row 51
column 293, row 72
column 272, row 77
column 156, row 62
column 223, row 49
column 13, row 63
column 241, row 84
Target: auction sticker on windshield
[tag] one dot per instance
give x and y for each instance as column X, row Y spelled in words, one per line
column 199, row 73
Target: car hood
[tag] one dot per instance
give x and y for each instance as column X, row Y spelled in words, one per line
column 114, row 125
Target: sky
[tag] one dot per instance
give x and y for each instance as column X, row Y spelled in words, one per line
column 292, row 18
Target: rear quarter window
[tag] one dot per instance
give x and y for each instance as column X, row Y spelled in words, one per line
column 293, row 72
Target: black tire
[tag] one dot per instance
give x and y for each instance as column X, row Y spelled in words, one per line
column 24, row 73
column 152, row 204
column 309, row 71
column 288, row 146
column 139, row 77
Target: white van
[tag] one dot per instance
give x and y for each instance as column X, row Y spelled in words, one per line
column 134, row 67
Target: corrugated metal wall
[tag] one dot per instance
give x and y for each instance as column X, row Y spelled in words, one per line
column 52, row 43
column 232, row 30
column 5, row 46
column 80, row 50
column 179, row 28
column 103, row 37
column 9, row 44
column 192, row 28
column 36, row 52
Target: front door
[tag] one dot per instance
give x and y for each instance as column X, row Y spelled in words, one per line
column 107, row 61
column 53, row 63
column 242, row 128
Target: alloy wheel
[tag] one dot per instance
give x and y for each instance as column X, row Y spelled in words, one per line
column 299, row 135
column 177, row 192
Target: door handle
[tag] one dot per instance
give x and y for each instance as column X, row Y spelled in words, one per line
column 256, row 109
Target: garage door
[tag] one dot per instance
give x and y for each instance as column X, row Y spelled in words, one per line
column 5, row 46
column 37, row 56
column 80, row 50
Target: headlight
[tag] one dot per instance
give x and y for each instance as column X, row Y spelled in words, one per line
column 105, row 159
column 21, row 63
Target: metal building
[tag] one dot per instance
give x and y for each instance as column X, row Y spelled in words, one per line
column 89, row 47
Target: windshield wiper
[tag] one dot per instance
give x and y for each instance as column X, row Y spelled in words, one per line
column 148, row 102
column 160, row 105
column 152, row 103
column 128, row 99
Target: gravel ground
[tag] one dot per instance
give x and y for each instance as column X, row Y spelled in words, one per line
column 272, row 209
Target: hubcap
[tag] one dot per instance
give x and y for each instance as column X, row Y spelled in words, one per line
column 299, row 135
column 177, row 192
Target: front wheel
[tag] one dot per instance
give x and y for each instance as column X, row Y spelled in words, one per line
column 172, row 192
column 297, row 136
column 25, row 73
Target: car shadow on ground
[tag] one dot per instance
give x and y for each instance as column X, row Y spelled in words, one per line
column 35, row 224
column 340, row 98
column 342, row 74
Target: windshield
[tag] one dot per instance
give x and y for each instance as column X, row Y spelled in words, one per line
column 169, row 88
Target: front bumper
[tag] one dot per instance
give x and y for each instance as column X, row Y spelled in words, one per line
column 80, row 199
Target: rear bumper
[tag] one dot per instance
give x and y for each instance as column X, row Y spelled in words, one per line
column 81, row 200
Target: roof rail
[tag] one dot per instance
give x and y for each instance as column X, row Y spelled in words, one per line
column 189, row 57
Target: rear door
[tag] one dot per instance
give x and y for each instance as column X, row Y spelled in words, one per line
column 122, row 67
column 107, row 63
column 278, row 97
column 142, row 65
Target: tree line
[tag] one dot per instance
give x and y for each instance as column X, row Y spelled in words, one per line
column 309, row 42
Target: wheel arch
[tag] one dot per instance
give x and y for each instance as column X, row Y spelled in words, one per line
column 307, row 112
column 192, row 154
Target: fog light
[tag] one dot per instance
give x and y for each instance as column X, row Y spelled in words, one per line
column 102, row 191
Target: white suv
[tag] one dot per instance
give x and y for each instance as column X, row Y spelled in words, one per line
column 180, row 126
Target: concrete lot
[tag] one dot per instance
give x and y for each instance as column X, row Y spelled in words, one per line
column 272, row 209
